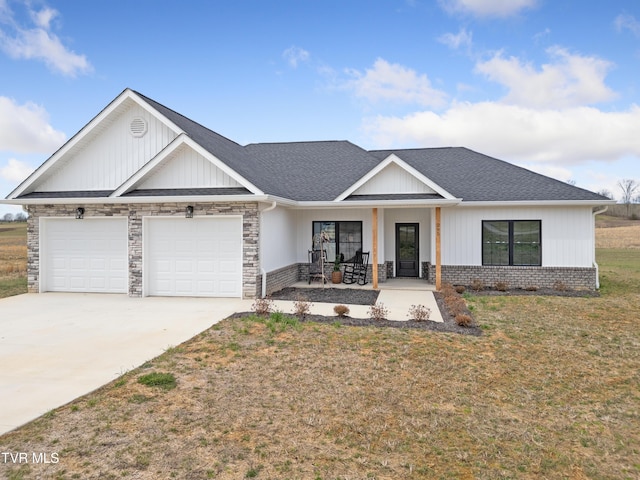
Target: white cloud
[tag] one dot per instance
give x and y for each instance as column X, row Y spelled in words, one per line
column 487, row 8
column 39, row 43
column 15, row 171
column 627, row 22
column 554, row 171
column 394, row 83
column 570, row 136
column 26, row 128
column 455, row 41
column 571, row 80
column 294, row 55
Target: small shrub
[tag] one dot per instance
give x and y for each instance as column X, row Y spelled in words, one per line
column 301, row 307
column 461, row 289
column 531, row 288
column 419, row 313
column 341, row 310
column 477, row 285
column 165, row 381
column 502, row 286
column 262, row 306
column 560, row 286
column 464, row 320
column 447, row 290
column 456, row 306
column 378, row 311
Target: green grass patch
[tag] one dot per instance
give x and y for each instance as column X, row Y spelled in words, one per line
column 163, row 380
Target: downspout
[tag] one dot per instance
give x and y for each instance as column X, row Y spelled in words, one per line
column 262, row 271
column 597, row 212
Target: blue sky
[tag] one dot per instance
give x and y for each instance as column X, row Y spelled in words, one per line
column 552, row 85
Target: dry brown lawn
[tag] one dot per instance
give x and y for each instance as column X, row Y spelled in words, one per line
column 13, row 258
column 551, row 390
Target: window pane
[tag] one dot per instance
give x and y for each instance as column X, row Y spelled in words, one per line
column 349, row 239
column 526, row 243
column 495, row 246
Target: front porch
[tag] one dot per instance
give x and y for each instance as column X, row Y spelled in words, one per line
column 407, row 284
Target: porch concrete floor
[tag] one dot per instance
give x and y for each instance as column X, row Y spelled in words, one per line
column 397, row 295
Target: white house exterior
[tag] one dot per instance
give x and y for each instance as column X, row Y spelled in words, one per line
column 144, row 201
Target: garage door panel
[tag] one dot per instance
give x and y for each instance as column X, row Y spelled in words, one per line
column 186, row 256
column 88, row 255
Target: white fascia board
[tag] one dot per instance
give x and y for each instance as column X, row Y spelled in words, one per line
column 165, row 153
column 149, row 199
column 540, row 203
column 393, row 158
column 127, row 94
column 452, row 202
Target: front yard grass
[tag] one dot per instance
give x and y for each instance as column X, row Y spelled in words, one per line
column 550, row 391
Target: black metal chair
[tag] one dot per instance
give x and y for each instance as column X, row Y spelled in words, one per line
column 316, row 261
column 356, row 270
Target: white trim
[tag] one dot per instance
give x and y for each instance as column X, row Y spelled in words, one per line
column 145, row 246
column 127, row 94
column 393, row 158
column 381, row 203
column 539, row 203
column 165, row 153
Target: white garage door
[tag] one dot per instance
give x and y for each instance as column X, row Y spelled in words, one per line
column 193, row 257
column 88, row 255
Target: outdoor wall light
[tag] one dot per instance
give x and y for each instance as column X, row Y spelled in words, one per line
column 188, row 212
column 80, row 213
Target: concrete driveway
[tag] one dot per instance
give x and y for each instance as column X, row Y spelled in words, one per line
column 55, row 347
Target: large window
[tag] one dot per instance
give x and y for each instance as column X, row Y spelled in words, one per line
column 345, row 238
column 511, row 242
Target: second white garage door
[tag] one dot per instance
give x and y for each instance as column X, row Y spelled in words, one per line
column 193, row 257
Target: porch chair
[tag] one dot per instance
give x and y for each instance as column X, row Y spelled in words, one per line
column 356, row 270
column 316, row 259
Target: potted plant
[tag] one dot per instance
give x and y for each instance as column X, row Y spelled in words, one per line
column 336, row 275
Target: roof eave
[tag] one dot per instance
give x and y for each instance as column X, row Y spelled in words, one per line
column 147, row 199
column 380, row 203
column 538, row 203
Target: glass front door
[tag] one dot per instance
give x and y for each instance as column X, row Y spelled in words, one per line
column 407, row 258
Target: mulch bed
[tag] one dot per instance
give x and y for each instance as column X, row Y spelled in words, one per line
column 368, row 297
column 352, row 296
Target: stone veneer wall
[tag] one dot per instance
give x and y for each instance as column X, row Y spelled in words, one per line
column 135, row 213
column 574, row 278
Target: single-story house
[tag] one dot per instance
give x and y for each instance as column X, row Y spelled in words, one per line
column 144, row 201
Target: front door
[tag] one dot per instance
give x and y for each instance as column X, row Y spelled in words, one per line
column 407, row 258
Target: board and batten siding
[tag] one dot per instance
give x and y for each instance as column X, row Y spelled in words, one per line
column 278, row 236
column 109, row 158
column 307, row 217
column 421, row 216
column 188, row 169
column 567, row 233
column 393, row 179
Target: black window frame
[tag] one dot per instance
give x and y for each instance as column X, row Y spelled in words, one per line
column 511, row 244
column 337, row 235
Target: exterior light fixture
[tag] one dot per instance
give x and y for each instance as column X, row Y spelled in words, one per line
column 80, row 213
column 188, row 212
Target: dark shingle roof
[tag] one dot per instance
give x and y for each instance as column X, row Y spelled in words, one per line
column 69, row 194
column 475, row 177
column 310, row 171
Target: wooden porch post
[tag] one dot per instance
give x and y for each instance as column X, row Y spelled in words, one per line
column 374, row 270
column 438, row 251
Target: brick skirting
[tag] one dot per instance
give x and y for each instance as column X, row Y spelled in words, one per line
column 574, row 278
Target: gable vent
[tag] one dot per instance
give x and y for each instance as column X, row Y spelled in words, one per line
column 138, row 127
